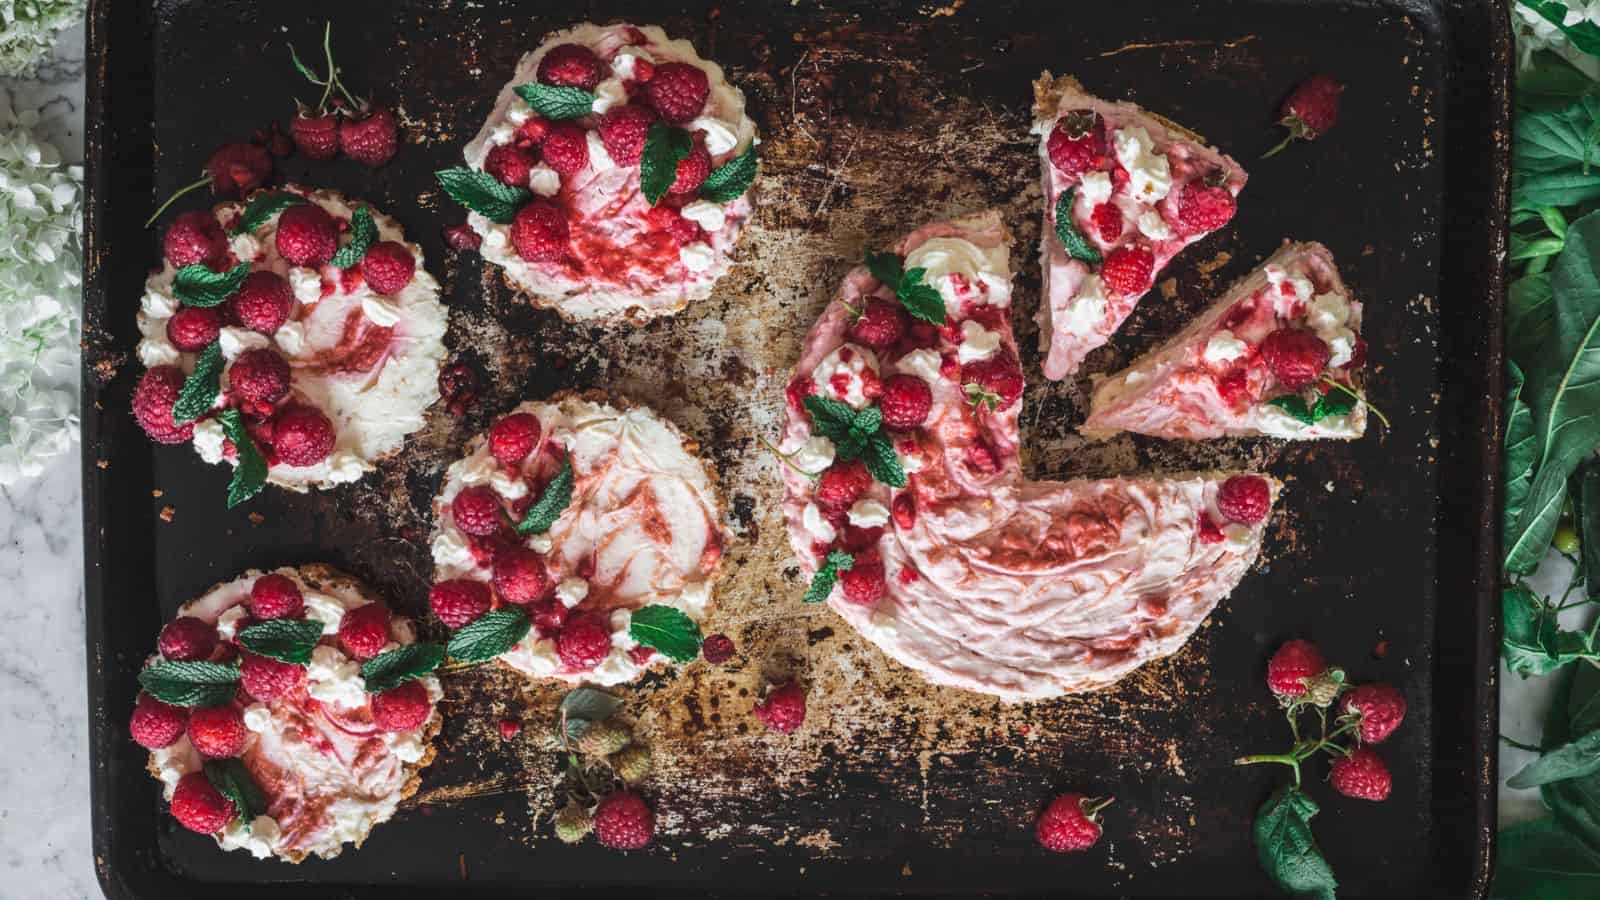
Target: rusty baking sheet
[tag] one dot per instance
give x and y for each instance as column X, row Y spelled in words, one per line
column 875, row 116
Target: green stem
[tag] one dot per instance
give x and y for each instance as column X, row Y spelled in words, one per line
column 1287, row 759
column 784, row 458
column 204, row 180
column 333, row 71
column 1362, row 398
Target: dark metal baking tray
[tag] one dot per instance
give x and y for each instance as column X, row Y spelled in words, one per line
column 876, row 116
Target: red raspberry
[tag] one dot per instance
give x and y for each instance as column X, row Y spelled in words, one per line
column 570, row 65
column 623, row 131
column 999, row 377
column 388, row 266
column 881, row 325
column 1202, row 209
column 668, row 219
column 1245, row 498
column 1234, row 388
column 539, row 231
column 477, row 511
column 263, row 302
column 152, row 405
column 509, row 164
column 1312, row 108
column 194, row 238
column 1296, row 358
column 402, row 708
column 678, row 91
column 1207, row 530
column 372, row 139
column 798, row 390
column 717, row 649
column 267, row 679
column 1380, row 708
column 238, row 168
column 275, row 596
column 199, row 807
column 692, row 171
column 259, row 376
column 622, row 821
column 548, row 617
column 1127, row 272
column 218, row 732
column 364, row 631
column 864, row 583
column 841, row 485
column 1361, row 775
column 307, row 235
column 462, row 237
column 1076, row 155
column 513, row 438
column 302, row 436
column 155, row 724
column 906, row 402
column 509, row 729
column 186, row 639
column 584, row 643
column 566, row 148
column 1107, row 220
column 192, row 328
column 316, row 137
column 1070, row 823
column 459, row 601
column 783, row 710
column 520, row 576
column 904, row 511
column 1294, row 662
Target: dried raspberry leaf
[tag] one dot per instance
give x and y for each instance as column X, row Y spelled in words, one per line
column 250, row 470
column 233, row 780
column 363, row 234
column 664, row 147
column 190, row 683
column 393, row 668
column 201, row 388
column 490, row 635
column 730, row 180
column 197, row 285
column 886, row 268
column 1078, row 246
column 668, row 630
column 285, row 640
column 483, row 194
column 884, row 463
column 262, row 207
column 557, row 102
column 552, row 503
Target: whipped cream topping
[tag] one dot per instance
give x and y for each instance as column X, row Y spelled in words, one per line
column 843, row 374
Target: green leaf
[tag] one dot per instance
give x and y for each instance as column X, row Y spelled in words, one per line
column 884, row 463
column 552, row 502
column 1294, row 405
column 1521, row 451
column 233, row 780
column 1570, row 760
column 393, row 668
column 197, row 285
column 1530, row 318
column 262, row 207
column 1078, row 246
column 363, row 234
column 730, row 180
column 1522, row 248
column 1588, row 524
column 1286, row 848
column 829, row 417
column 1575, row 802
column 886, row 268
column 664, row 146
column 557, row 102
column 285, row 640
column 1531, row 640
column 921, row 300
column 1549, row 82
column 1334, row 403
column 492, row 634
column 867, row 422
column 1555, row 140
column 1566, row 188
column 201, row 388
column 822, row 583
column 668, row 630
column 190, row 683
column 250, row 472
column 1584, row 35
column 590, row 703
column 1544, row 861
column 483, row 194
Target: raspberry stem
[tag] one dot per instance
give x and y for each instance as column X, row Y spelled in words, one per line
column 1288, row 759
column 785, row 458
column 1362, row 398
column 204, row 180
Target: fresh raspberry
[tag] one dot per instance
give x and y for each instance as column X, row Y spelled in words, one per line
column 462, row 237
column 263, row 302
column 267, row 679
column 520, row 576
column 678, row 91
column 881, row 324
column 509, row 729
column 217, row 732
column 670, row 220
column 584, row 643
column 857, row 540
column 906, row 402
column 1207, row 530
column 276, row 142
column 1380, row 708
column 152, row 405
column 1310, row 110
column 155, row 724
column 623, row 131
column 199, row 807
column 1295, row 357
column 388, row 266
column 1289, row 668
column 570, row 65
column 549, row 616
column 1234, row 388
column 783, row 710
column 302, row 436
column 477, row 511
column 1107, row 220
column 194, row 238
column 1077, row 143
column 259, row 376
column 372, row 139
column 566, row 148
column 316, row 137
column 1127, row 272
column 997, row 380
column 186, row 639
column 1202, row 208
column 238, row 168
column 1070, row 823
column 539, row 231
column 692, row 171
column 623, row 822
column 530, row 133
column 275, row 596
column 307, row 236
column 904, row 511
column 509, row 164
column 864, row 583
column 1361, row 775
column 192, row 328
column 841, row 485
column 1245, row 498
column 402, row 708
column 364, row 631
column 717, row 649
column 513, row 438
column 459, row 601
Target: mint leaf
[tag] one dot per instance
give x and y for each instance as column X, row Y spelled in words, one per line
column 285, row 640
column 201, row 388
column 393, row 668
column 1078, row 246
column 664, row 146
column 829, row 417
column 262, row 207
column 190, row 683
column 483, row 194
column 1286, row 848
column 363, row 234
column 923, row 302
column 556, row 102
column 492, row 634
column 233, row 780
column 1334, row 403
column 668, row 630
column 883, row 462
column 867, row 422
column 197, row 285
column 730, row 180
column 1294, row 405
column 886, row 268
column 822, row 583
column 551, row 504
column 250, row 472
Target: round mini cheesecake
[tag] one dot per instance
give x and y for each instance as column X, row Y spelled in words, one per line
column 286, row 759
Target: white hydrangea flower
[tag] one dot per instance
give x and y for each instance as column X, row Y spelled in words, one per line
column 28, row 29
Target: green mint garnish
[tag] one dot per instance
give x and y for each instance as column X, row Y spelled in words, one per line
column 262, row 207
column 664, row 147
column 497, row 631
column 250, row 472
column 919, row 298
column 233, row 780
column 197, row 285
column 857, row 435
column 483, row 194
column 1333, row 403
column 557, row 102
column 285, row 640
column 822, row 583
column 1078, row 246
column 190, row 683
column 730, row 180
column 551, row 504
column 668, row 630
column 393, row 668
column 363, row 234
column 201, row 388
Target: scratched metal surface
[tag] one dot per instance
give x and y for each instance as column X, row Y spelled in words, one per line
column 874, row 117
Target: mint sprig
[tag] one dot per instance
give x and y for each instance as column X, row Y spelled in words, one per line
column 262, row 207
column 730, row 180
column 197, row 285
column 483, row 193
column 1078, row 246
column 233, row 780
column 200, row 389
column 664, row 147
column 190, row 683
column 551, row 504
column 668, row 630
column 490, row 635
column 363, row 234
column 1333, row 403
column 556, row 103
column 250, row 471
column 919, row 298
column 822, row 583
column 393, row 668
column 857, row 435
column 285, row 640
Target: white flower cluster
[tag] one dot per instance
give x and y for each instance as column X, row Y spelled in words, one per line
column 1534, row 33
column 28, row 30
column 41, row 220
